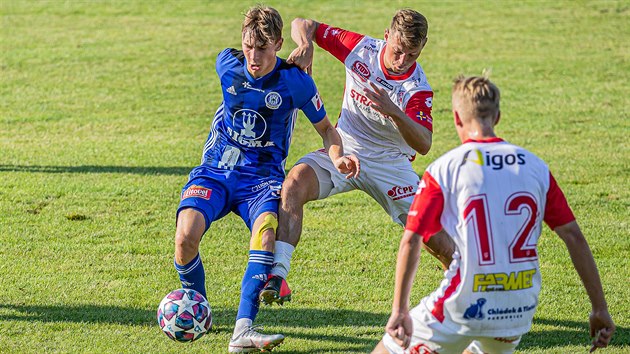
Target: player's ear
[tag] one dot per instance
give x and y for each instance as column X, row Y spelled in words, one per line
column 386, row 34
column 496, row 121
column 279, row 44
column 457, row 119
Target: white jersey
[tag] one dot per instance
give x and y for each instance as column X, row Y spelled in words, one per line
column 491, row 197
column 365, row 131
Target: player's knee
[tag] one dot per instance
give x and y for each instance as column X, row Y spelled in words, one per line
column 292, row 193
column 296, row 190
column 185, row 243
column 265, row 235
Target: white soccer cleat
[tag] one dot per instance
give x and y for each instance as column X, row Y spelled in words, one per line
column 250, row 340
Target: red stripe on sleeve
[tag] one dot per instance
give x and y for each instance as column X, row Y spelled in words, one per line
column 336, row 41
column 557, row 210
column 419, row 108
column 426, row 209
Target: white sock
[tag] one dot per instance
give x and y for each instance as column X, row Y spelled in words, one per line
column 241, row 324
column 282, row 259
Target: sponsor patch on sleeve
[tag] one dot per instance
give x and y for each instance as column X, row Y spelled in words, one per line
column 423, row 117
column 317, row 101
column 197, row 192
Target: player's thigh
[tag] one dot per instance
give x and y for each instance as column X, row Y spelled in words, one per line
column 205, row 195
column 301, row 185
column 393, row 188
column 330, row 181
column 429, row 336
column 499, row 345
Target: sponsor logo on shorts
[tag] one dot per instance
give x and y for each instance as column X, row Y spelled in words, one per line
column 422, row 349
column 362, row 70
column 272, row 184
column 503, row 281
column 197, row 192
column 400, row 192
column 428, row 102
column 475, row 312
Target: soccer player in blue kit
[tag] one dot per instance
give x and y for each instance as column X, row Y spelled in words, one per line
column 242, row 168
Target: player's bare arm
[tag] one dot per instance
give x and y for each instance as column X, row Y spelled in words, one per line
column 347, row 164
column 303, row 33
column 415, row 135
column 601, row 324
column 400, row 325
column 442, row 247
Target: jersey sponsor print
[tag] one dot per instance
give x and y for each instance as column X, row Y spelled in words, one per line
column 491, row 197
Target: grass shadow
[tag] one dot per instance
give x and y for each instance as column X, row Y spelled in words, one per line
column 571, row 333
column 140, row 170
column 292, row 321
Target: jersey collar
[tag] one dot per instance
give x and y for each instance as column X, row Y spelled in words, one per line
column 486, row 140
column 389, row 76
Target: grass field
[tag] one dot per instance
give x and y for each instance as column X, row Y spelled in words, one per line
column 105, row 107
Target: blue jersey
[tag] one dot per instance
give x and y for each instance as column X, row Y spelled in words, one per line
column 252, row 127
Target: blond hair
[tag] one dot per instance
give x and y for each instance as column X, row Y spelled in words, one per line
column 411, row 26
column 263, row 23
column 478, row 96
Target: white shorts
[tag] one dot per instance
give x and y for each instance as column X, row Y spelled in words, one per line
column 430, row 336
column 392, row 185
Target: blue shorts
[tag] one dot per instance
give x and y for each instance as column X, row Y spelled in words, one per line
column 216, row 193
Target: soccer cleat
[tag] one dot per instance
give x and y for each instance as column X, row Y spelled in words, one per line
column 250, row 340
column 276, row 290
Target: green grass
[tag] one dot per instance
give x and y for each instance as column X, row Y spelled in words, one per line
column 105, row 106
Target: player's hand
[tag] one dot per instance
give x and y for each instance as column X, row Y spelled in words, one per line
column 302, row 56
column 602, row 329
column 400, row 327
column 381, row 101
column 349, row 165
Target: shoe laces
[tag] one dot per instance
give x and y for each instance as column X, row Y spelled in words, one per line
column 251, row 331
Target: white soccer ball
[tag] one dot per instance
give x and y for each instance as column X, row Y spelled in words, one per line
column 184, row 315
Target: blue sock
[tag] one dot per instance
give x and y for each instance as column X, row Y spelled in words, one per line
column 254, row 279
column 192, row 275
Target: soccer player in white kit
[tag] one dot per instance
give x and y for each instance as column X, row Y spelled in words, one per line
column 385, row 119
column 491, row 197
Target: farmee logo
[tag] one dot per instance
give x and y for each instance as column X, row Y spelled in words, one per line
column 197, row 192
column 503, row 281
